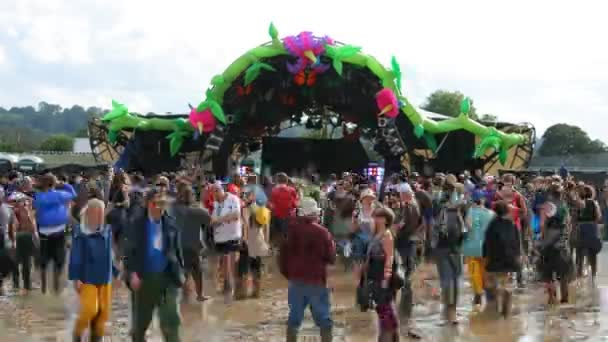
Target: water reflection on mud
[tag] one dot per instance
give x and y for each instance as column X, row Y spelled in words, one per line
column 44, row 318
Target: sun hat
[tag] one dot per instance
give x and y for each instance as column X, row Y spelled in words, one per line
column 309, row 207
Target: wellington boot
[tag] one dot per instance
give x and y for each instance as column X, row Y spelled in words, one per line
column 292, row 335
column 451, row 316
column 76, row 338
column 240, row 292
column 326, row 335
column 256, row 291
column 43, row 282
column 388, row 336
column 507, row 304
column 95, row 338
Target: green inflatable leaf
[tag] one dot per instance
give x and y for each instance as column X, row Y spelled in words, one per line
column 112, row 136
column 254, row 71
column 503, row 156
column 337, row 64
column 490, row 141
column 339, row 53
column 396, row 68
column 431, row 142
column 217, row 80
column 419, row 131
column 217, row 111
column 118, row 110
column 465, row 106
column 273, row 32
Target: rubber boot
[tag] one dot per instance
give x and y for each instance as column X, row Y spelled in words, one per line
column 43, row 281
column 476, row 300
column 56, row 281
column 388, row 336
column 240, row 291
column 563, row 287
column 76, row 339
column 292, row 335
column 406, row 303
column 450, row 314
column 326, row 335
column 96, row 338
column 256, row 291
column 507, row 303
column 552, row 296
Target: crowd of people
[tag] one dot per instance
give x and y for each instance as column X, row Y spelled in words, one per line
column 152, row 233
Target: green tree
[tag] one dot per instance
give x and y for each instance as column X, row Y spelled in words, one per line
column 447, row 103
column 489, row 118
column 58, row 142
column 563, row 140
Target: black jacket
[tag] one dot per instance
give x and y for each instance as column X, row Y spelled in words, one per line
column 501, row 247
column 136, row 240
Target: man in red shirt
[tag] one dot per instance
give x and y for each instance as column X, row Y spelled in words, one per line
column 283, row 203
column 304, row 257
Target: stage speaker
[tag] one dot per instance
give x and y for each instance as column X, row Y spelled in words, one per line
column 230, row 119
column 215, row 139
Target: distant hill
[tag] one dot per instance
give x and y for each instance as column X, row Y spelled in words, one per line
column 24, row 128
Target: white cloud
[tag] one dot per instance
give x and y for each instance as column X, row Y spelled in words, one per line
column 539, row 61
column 3, row 57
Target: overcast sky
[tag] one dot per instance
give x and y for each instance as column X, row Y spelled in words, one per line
column 537, row 61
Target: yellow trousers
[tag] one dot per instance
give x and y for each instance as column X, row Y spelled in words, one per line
column 477, row 271
column 95, row 305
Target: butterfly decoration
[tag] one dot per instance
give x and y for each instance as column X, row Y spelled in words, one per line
column 243, row 90
column 305, row 78
column 288, row 100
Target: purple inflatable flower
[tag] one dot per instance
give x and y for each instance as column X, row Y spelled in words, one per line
column 308, row 49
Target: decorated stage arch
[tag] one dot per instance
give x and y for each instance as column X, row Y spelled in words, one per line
column 313, row 81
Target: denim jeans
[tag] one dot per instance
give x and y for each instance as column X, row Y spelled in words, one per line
column 300, row 296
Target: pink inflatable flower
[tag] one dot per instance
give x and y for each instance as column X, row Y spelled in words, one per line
column 202, row 122
column 387, row 103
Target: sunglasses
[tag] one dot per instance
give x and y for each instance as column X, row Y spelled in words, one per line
column 161, row 185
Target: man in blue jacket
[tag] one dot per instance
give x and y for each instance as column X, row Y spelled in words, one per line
column 52, row 212
column 155, row 267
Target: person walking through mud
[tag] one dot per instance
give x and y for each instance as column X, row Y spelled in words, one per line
column 477, row 220
column 7, row 223
column 26, row 238
column 519, row 211
column 450, row 235
column 589, row 243
column 554, row 247
column 304, row 257
column 378, row 275
column 256, row 228
column 227, row 234
column 90, row 268
column 409, row 232
column 501, row 250
column 51, row 204
column 154, row 267
column 283, row 203
column 191, row 219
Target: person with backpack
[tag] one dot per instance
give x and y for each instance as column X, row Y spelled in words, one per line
column 256, row 226
column 449, row 237
column 477, row 219
column 501, row 250
column 556, row 260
